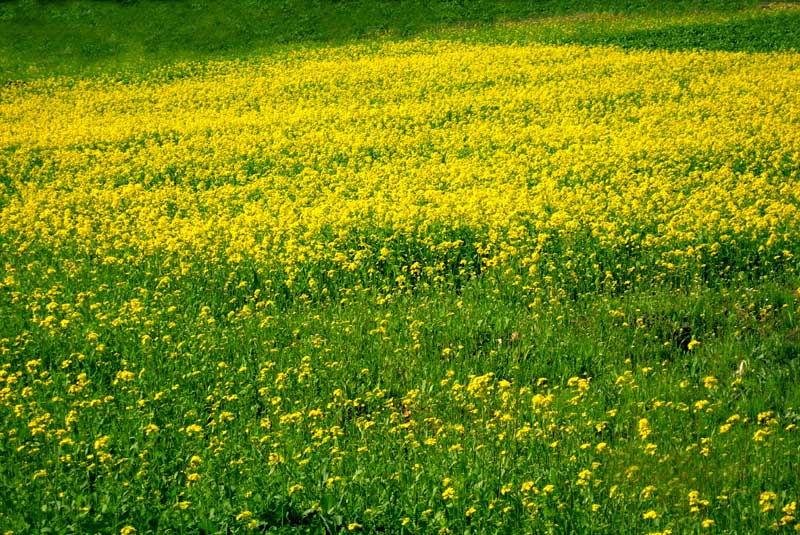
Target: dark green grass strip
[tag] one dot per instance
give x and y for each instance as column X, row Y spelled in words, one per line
column 772, row 32
column 39, row 38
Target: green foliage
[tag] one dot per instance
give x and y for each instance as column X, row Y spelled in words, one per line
column 212, row 402
column 39, row 38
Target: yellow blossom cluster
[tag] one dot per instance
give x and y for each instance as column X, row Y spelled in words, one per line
column 418, row 162
column 166, row 241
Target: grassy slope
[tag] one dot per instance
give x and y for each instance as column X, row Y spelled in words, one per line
column 41, row 38
column 746, row 321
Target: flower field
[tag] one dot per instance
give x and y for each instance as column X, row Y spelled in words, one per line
column 410, row 286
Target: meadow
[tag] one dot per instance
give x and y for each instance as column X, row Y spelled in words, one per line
column 490, row 267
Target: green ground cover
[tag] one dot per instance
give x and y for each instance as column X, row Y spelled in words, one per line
column 40, row 38
column 186, row 391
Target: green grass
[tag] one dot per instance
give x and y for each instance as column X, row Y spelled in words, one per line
column 69, row 37
column 373, row 359
column 389, row 361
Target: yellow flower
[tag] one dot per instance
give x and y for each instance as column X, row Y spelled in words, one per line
column 151, row 428
column 124, row 376
column 650, row 515
column 761, row 434
column 127, row 530
column 648, row 491
column 766, row 501
column 644, row 429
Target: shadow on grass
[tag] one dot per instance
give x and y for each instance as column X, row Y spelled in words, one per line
column 69, row 37
column 772, row 32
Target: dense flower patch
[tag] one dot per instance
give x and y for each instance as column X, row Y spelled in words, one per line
column 182, row 256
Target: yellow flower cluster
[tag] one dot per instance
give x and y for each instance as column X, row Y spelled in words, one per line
column 418, row 161
column 154, row 231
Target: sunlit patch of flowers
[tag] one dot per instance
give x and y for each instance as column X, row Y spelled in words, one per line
column 157, row 235
column 419, row 163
